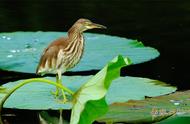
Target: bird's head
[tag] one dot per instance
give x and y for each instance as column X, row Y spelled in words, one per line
column 85, row 24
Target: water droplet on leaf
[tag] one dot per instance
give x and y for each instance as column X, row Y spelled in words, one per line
column 9, row 56
column 176, row 102
column 3, row 37
column 13, row 51
column 8, row 38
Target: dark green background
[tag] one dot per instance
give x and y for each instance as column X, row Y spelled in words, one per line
column 163, row 24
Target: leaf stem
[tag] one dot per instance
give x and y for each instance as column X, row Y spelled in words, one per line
column 32, row 80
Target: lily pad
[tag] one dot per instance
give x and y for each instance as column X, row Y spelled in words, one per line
column 170, row 109
column 38, row 96
column 20, row 51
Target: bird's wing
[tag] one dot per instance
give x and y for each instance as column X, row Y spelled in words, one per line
column 49, row 57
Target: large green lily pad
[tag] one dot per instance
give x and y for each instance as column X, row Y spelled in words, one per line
column 37, row 95
column 20, row 51
column 168, row 109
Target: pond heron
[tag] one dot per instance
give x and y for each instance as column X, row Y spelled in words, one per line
column 65, row 52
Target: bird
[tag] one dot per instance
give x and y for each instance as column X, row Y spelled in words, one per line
column 65, row 53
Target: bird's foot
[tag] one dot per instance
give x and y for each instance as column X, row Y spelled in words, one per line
column 65, row 100
column 55, row 93
column 62, row 101
column 64, row 97
column 61, row 96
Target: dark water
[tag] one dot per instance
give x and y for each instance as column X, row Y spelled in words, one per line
column 163, row 24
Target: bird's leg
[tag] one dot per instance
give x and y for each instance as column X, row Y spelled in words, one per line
column 60, row 82
column 56, row 93
column 57, row 88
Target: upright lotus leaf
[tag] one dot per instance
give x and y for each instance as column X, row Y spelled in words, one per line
column 90, row 97
column 168, row 109
column 23, row 50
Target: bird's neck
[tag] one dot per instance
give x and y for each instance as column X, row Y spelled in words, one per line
column 75, row 34
column 76, row 41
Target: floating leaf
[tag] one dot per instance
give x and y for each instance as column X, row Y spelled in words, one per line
column 172, row 109
column 176, row 120
column 39, row 97
column 27, row 47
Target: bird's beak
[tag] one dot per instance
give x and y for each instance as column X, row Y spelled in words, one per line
column 94, row 25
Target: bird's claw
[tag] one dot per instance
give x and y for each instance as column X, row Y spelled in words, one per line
column 62, row 101
column 65, row 100
column 55, row 93
column 64, row 97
